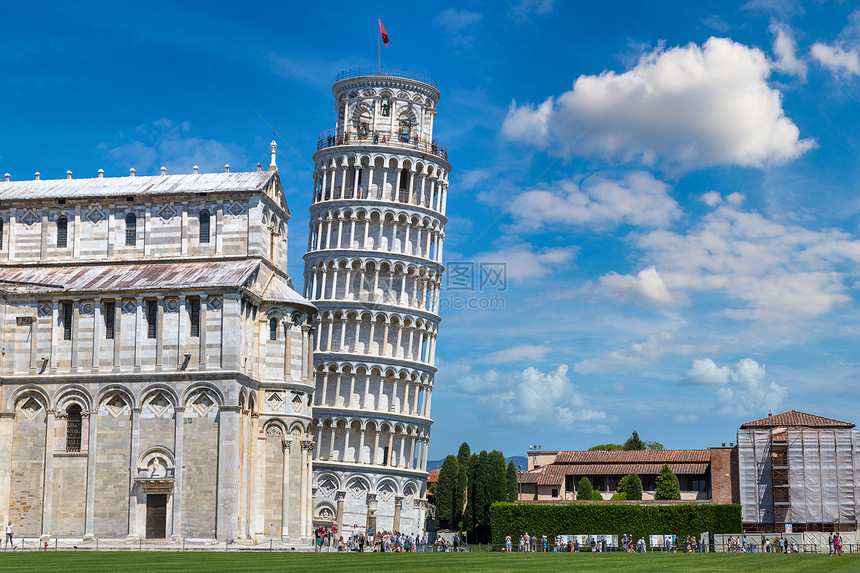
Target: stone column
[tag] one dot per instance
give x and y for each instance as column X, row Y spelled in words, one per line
column 307, row 513
column 339, row 517
column 7, row 422
column 48, row 481
column 285, row 502
column 398, row 503
column 133, row 533
column 97, row 315
column 178, row 451
column 371, row 514
column 91, row 473
column 227, row 521
column 159, row 334
column 201, row 340
column 117, row 330
column 138, row 332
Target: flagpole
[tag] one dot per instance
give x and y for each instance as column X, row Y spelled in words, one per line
column 378, row 47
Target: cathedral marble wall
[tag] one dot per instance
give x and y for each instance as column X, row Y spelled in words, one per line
column 95, row 428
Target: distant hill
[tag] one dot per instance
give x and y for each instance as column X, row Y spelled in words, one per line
column 520, row 461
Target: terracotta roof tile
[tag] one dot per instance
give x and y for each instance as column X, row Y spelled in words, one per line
column 530, row 477
column 433, row 476
column 796, row 419
column 634, row 457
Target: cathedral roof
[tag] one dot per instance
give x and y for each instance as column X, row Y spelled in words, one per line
column 142, row 277
column 793, row 418
column 122, row 277
column 135, row 186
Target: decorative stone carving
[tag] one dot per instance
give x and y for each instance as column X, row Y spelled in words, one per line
column 95, row 215
column 171, row 305
column 167, row 212
column 87, row 308
column 29, row 218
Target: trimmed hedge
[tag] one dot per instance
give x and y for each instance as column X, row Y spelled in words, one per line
column 637, row 520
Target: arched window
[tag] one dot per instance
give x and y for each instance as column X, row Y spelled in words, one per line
column 73, row 428
column 131, row 230
column 273, row 328
column 204, row 226
column 62, row 231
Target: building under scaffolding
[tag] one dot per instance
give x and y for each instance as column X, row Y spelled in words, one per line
column 798, row 470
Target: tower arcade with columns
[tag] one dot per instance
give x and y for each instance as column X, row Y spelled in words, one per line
column 373, row 269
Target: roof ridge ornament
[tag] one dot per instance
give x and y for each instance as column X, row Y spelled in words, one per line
column 273, row 166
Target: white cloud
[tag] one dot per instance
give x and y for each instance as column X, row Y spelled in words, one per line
column 743, row 386
column 531, row 397
column 523, row 263
column 689, row 106
column 167, row 143
column 647, row 285
column 836, row 59
column 634, row 358
column 736, row 198
column 597, row 202
column 749, row 391
column 685, row 418
column 712, row 198
column 521, row 353
column 763, row 270
column 785, row 48
column 704, row 371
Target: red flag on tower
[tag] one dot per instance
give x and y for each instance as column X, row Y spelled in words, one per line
column 383, row 33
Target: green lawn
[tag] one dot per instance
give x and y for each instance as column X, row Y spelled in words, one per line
column 212, row 562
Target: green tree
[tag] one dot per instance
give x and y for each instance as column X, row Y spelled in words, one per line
column 633, row 486
column 634, row 443
column 482, row 496
column 653, row 445
column 464, row 456
column 667, row 484
column 584, row 489
column 446, row 492
column 513, row 486
column 469, row 517
column 498, row 490
column 460, row 497
column 606, row 448
column 622, row 485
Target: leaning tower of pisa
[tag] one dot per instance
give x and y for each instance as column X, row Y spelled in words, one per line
column 373, row 269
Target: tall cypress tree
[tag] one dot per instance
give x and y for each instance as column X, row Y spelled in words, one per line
column 446, row 492
column 464, row 456
column 469, row 518
column 482, row 496
column 511, row 479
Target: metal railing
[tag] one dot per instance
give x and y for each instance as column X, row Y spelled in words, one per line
column 391, row 72
column 332, row 138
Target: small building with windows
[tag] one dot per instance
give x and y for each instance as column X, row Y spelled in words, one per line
column 156, row 363
column 555, row 475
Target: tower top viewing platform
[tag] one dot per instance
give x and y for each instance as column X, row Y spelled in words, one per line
column 385, row 72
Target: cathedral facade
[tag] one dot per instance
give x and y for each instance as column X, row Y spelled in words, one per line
column 373, row 269
column 156, row 376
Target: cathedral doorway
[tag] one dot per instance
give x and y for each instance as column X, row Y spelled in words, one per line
column 156, row 516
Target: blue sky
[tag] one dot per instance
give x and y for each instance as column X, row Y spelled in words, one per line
column 671, row 186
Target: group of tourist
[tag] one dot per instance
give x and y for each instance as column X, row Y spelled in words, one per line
column 835, row 543
column 380, row 542
column 628, row 544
